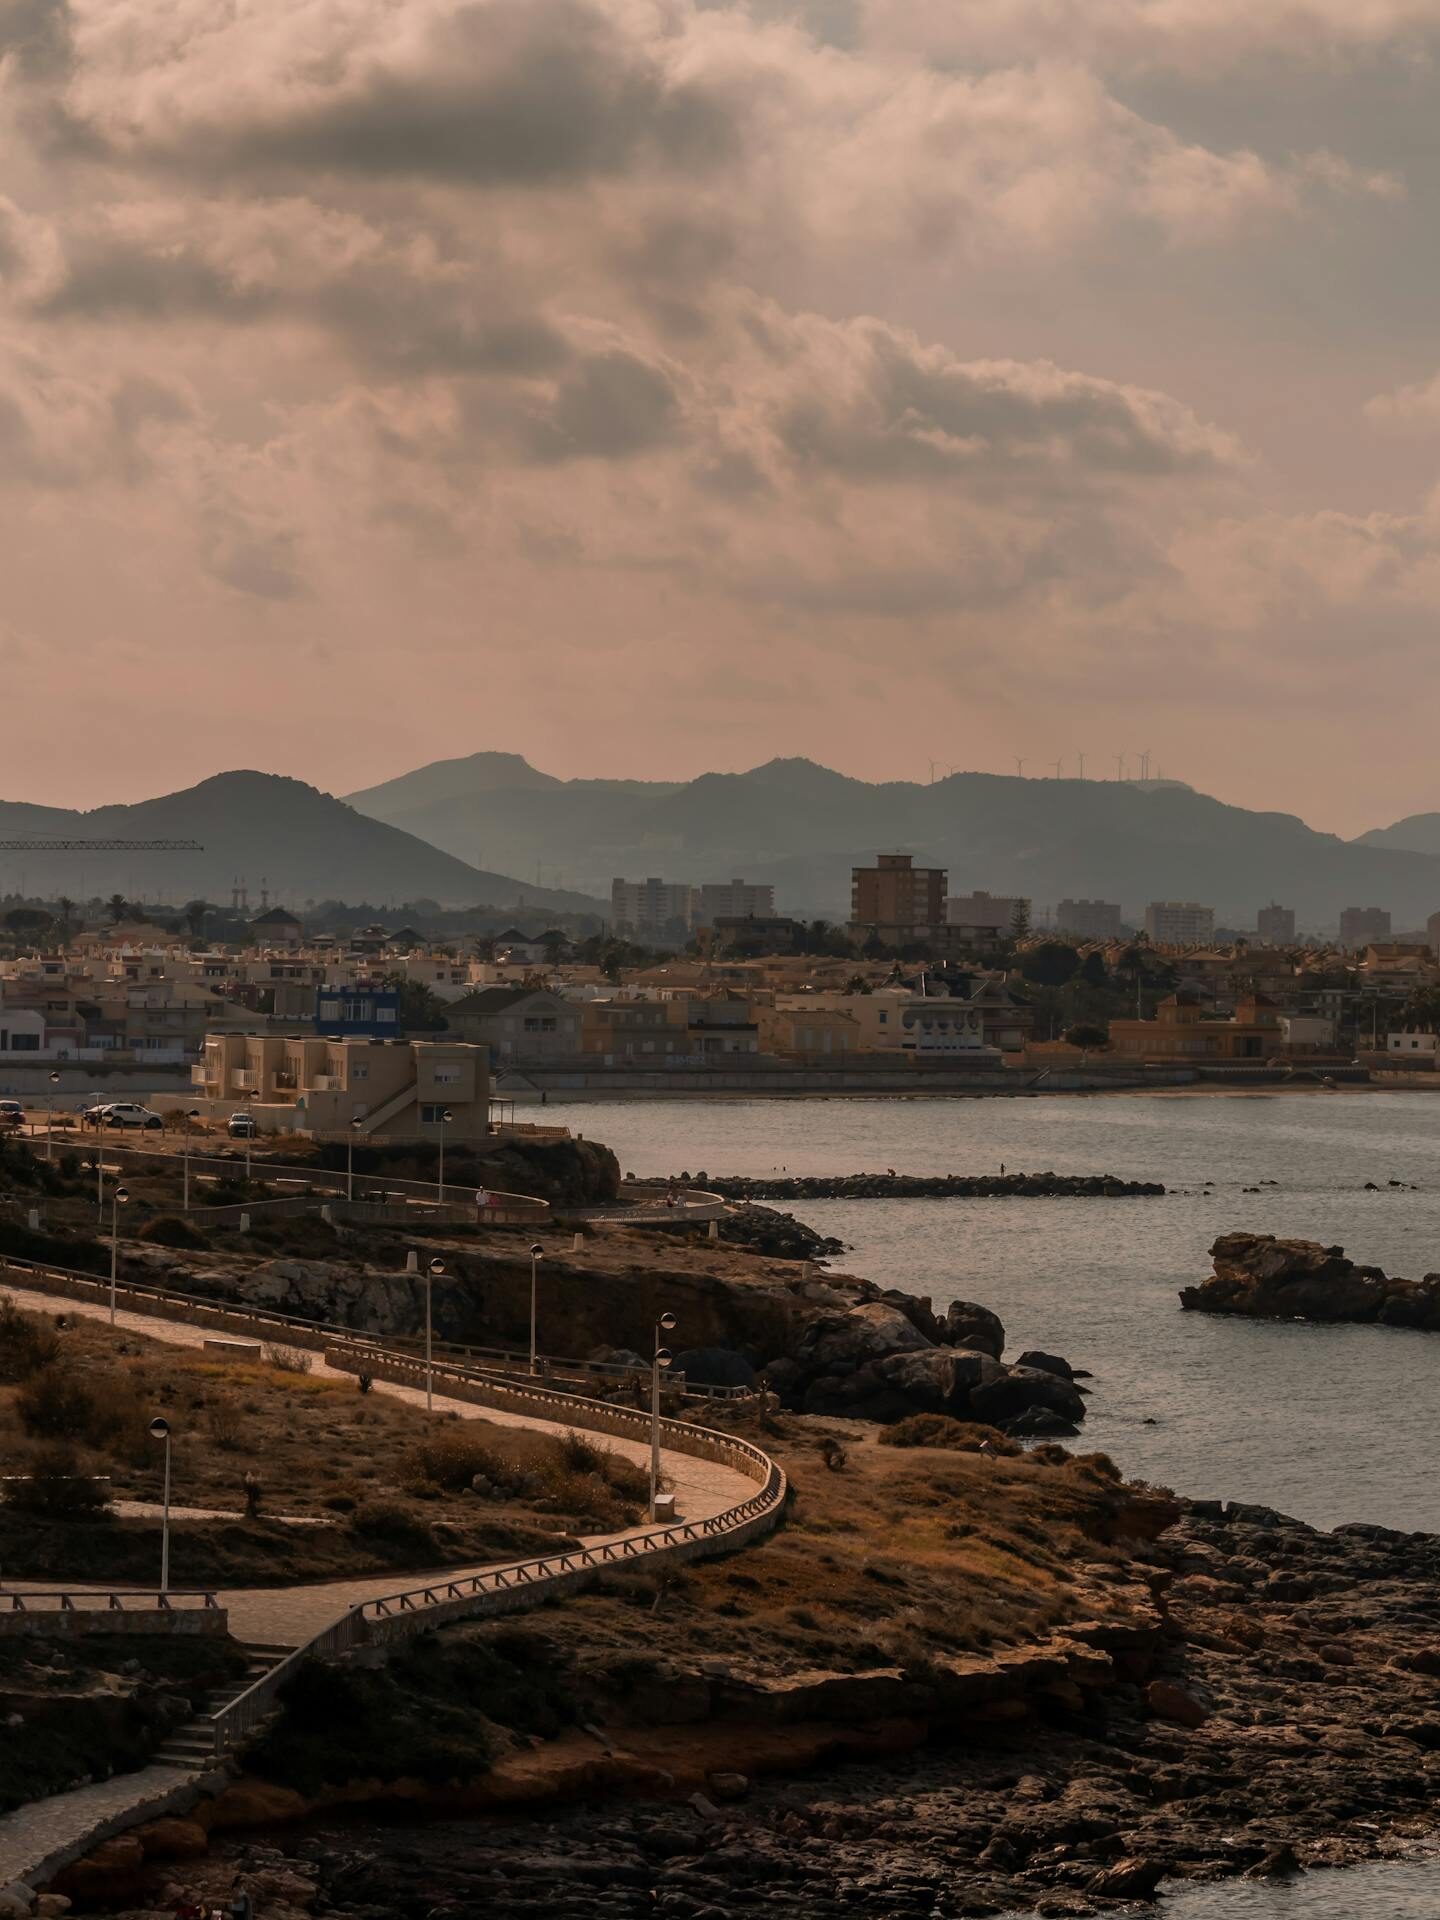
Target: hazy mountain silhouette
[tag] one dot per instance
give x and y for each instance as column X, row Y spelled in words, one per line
column 1416, row 833
column 803, row 826
column 306, row 845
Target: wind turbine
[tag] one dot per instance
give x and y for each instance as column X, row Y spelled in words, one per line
column 1058, row 764
column 1119, row 766
column 1081, row 758
column 1145, row 764
column 1019, row 767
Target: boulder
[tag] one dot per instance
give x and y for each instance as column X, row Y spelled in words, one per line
column 1183, row 1706
column 1041, row 1423
column 1133, row 1879
column 1018, row 1390
column 1046, row 1363
column 968, row 1325
column 839, row 1343
column 715, row 1367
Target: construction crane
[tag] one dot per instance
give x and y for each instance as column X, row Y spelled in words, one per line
column 101, row 846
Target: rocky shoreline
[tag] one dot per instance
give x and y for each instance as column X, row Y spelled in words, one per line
column 916, row 1186
column 1306, row 1660
column 1261, row 1277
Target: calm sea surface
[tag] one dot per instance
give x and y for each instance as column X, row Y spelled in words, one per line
column 1328, row 1423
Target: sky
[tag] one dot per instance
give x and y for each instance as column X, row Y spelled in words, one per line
column 653, row 386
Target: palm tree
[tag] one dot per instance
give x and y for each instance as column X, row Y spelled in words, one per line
column 194, row 916
column 64, row 910
column 117, row 906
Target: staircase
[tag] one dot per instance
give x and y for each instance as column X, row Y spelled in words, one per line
column 192, row 1745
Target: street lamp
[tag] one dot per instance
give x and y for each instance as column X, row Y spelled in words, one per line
column 50, row 1117
column 160, row 1430
column 249, row 1132
column 193, row 1114
column 446, row 1116
column 119, row 1198
column 435, row 1272
column 537, row 1254
column 663, row 1358
column 355, row 1125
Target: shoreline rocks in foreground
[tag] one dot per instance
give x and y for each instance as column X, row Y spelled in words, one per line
column 1283, row 1718
column 917, row 1186
column 1261, row 1277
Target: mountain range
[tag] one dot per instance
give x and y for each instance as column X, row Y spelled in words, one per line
column 300, row 844
column 802, row 826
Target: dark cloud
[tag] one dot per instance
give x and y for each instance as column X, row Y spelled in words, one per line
column 35, row 34
column 900, row 411
column 613, row 406
column 508, row 93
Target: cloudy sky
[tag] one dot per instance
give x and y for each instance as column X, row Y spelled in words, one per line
column 655, row 385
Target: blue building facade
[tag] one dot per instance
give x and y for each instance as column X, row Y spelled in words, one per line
column 344, row 1013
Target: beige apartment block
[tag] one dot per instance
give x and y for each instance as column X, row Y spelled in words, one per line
column 396, row 1088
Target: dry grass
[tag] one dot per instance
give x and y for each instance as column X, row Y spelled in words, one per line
column 318, row 1445
column 908, row 1556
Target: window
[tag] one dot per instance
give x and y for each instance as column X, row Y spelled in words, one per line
column 431, row 1116
column 447, row 1076
column 536, row 1023
column 360, row 1070
column 24, row 1043
column 385, row 1016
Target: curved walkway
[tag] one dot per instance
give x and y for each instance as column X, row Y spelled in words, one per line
column 289, row 1616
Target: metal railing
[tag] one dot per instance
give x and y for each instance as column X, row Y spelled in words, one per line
column 72, row 1601
column 526, row 1583
column 145, row 1296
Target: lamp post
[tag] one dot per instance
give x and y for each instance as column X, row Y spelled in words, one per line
column 537, row 1254
column 160, row 1430
column 434, row 1272
column 249, row 1132
column 119, row 1198
column 50, row 1117
column 193, row 1114
column 355, row 1125
column 446, row 1116
column 662, row 1359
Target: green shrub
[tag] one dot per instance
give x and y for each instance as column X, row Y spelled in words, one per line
column 940, row 1430
column 58, row 1404
column 27, row 1342
column 391, row 1527
column 450, row 1458
column 55, row 1488
column 170, row 1230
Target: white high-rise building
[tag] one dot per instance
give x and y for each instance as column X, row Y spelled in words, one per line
column 651, row 909
column 732, row 900
column 1179, row 923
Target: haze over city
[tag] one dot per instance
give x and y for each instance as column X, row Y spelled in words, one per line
column 664, row 386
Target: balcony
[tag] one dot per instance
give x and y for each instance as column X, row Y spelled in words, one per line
column 246, row 1079
column 327, row 1083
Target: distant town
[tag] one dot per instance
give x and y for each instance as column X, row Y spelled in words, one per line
column 405, row 1028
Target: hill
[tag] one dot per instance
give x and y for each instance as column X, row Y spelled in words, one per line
column 803, row 826
column 304, row 844
column 1416, row 833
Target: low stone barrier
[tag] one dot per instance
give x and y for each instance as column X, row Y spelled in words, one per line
column 69, row 1616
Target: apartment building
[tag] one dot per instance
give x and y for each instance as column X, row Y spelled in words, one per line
column 900, row 903
column 732, row 900
column 1360, row 925
column 1181, row 1033
column 983, row 912
column 653, row 910
column 1178, row 923
column 396, row 1088
column 1089, row 919
column 517, row 1024
column 1275, row 925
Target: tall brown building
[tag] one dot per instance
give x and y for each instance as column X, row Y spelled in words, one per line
column 897, row 900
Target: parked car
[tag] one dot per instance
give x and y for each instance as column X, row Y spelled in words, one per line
column 128, row 1113
column 241, row 1126
column 12, row 1115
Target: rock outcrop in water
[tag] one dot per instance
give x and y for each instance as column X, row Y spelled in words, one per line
column 1258, row 1276
column 917, row 1186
